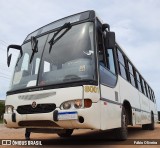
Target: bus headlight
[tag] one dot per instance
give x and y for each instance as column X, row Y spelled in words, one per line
column 76, row 104
column 66, row 105
column 8, row 109
column 73, row 104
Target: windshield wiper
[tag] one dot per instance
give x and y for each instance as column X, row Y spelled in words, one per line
column 53, row 40
column 34, row 45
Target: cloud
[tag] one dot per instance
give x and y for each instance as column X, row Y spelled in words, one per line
column 136, row 24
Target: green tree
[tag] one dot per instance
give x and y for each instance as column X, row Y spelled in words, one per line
column 2, row 109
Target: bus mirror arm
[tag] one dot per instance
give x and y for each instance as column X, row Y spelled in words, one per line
column 105, row 26
column 18, row 47
column 109, row 37
column 9, row 60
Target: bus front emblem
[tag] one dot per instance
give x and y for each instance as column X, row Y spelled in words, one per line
column 34, row 104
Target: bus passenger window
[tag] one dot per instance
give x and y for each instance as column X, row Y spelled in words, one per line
column 122, row 66
column 131, row 74
column 139, row 82
column 144, row 89
column 110, row 60
column 147, row 91
column 150, row 93
column 154, row 97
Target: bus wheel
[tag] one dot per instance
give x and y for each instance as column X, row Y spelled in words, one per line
column 66, row 133
column 122, row 133
column 149, row 126
column 152, row 125
column 27, row 135
column 145, row 126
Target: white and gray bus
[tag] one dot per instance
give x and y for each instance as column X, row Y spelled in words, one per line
column 72, row 74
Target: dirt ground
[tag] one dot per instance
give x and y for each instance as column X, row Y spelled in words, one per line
column 87, row 138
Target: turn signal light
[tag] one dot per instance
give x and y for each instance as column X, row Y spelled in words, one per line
column 87, row 103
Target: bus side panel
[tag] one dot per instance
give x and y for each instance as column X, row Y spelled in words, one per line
column 110, row 108
column 153, row 108
column 145, row 109
column 130, row 94
column 155, row 113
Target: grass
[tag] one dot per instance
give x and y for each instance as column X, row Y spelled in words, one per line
column 1, row 121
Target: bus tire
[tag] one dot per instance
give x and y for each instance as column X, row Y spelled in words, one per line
column 67, row 133
column 152, row 125
column 27, row 135
column 145, row 126
column 122, row 133
column 149, row 126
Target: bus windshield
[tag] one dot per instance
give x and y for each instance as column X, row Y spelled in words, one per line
column 71, row 59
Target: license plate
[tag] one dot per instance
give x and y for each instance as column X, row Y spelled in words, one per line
column 67, row 116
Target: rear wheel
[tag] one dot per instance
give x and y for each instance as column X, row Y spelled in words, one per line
column 66, row 133
column 122, row 133
column 152, row 125
column 145, row 126
column 149, row 126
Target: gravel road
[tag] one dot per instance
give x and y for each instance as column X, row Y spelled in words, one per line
column 89, row 138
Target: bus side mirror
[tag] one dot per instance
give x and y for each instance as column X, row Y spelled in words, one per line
column 18, row 47
column 110, row 40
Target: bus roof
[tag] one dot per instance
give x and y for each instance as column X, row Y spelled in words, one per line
column 58, row 23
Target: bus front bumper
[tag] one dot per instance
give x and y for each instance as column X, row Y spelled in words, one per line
column 88, row 118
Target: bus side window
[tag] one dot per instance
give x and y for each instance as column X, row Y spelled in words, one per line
column 144, row 89
column 121, row 64
column 138, row 81
column 154, row 97
column 131, row 74
column 147, row 91
column 107, row 67
column 150, row 93
column 110, row 60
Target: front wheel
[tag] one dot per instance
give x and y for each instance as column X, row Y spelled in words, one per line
column 66, row 133
column 27, row 134
column 122, row 133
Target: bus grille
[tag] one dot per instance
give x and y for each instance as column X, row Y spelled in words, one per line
column 40, row 108
column 40, row 123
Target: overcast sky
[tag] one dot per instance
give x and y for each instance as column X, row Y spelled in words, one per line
column 135, row 22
